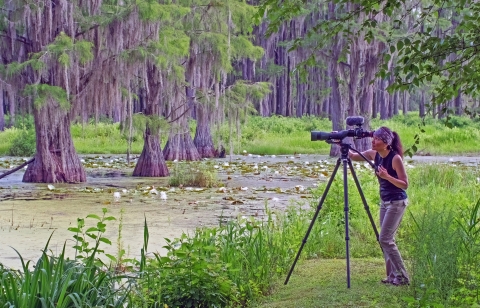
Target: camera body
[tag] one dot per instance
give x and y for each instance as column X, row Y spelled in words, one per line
column 334, row 137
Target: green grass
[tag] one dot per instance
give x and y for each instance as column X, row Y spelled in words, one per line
column 281, row 135
column 323, row 283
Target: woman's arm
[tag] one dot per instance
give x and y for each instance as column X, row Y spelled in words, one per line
column 369, row 154
column 397, row 165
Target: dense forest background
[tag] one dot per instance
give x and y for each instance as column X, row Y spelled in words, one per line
column 156, row 64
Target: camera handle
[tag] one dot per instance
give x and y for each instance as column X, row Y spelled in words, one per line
column 346, row 161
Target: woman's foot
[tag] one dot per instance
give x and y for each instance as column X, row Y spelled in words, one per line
column 400, row 282
column 386, row 280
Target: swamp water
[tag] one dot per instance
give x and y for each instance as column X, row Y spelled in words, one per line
column 31, row 213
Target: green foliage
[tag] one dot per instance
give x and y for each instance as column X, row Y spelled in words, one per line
column 83, row 248
column 43, row 93
column 140, row 122
column 194, row 276
column 469, row 270
column 56, row 281
column 24, row 143
column 190, row 174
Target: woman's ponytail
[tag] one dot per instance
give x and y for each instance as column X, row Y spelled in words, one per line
column 397, row 144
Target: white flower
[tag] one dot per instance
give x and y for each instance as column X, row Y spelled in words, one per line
column 163, row 195
column 116, row 196
column 300, row 188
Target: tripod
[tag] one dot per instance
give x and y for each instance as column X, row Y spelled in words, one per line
column 346, row 160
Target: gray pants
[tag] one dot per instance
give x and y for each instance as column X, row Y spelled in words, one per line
column 391, row 214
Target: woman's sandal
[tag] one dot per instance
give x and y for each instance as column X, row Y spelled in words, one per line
column 400, row 282
column 386, row 281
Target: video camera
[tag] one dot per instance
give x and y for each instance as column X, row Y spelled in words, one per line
column 334, row 137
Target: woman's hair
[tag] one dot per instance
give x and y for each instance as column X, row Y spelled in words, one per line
column 396, row 144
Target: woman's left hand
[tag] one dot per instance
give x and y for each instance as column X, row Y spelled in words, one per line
column 382, row 172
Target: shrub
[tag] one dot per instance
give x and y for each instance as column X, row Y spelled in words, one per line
column 24, row 144
column 191, row 174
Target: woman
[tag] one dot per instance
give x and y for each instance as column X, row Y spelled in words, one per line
column 387, row 152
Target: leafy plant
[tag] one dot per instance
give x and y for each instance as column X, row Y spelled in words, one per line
column 83, row 248
column 61, row 282
column 191, row 174
column 23, row 144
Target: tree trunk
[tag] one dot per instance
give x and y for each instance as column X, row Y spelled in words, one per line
column 151, row 162
column 180, row 147
column 203, row 140
column 383, row 101
column 56, row 160
column 421, row 105
column 458, row 103
column 2, row 112
column 405, row 103
column 336, row 107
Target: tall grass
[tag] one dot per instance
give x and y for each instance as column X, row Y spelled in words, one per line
column 277, row 135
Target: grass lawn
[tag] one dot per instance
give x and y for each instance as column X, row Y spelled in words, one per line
column 323, row 283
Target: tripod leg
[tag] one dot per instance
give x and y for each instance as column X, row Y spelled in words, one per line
column 319, row 207
column 347, row 237
column 365, row 205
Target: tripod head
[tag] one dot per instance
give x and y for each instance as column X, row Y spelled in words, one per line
column 345, row 147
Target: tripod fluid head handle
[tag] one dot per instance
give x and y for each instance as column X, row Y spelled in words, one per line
column 346, row 147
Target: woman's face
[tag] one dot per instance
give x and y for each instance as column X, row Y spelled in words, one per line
column 378, row 144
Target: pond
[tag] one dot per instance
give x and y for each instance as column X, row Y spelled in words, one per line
column 31, row 213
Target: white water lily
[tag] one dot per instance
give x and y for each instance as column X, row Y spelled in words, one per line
column 116, row 196
column 300, row 188
column 163, row 195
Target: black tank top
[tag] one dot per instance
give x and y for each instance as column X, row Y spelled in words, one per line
column 388, row 191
